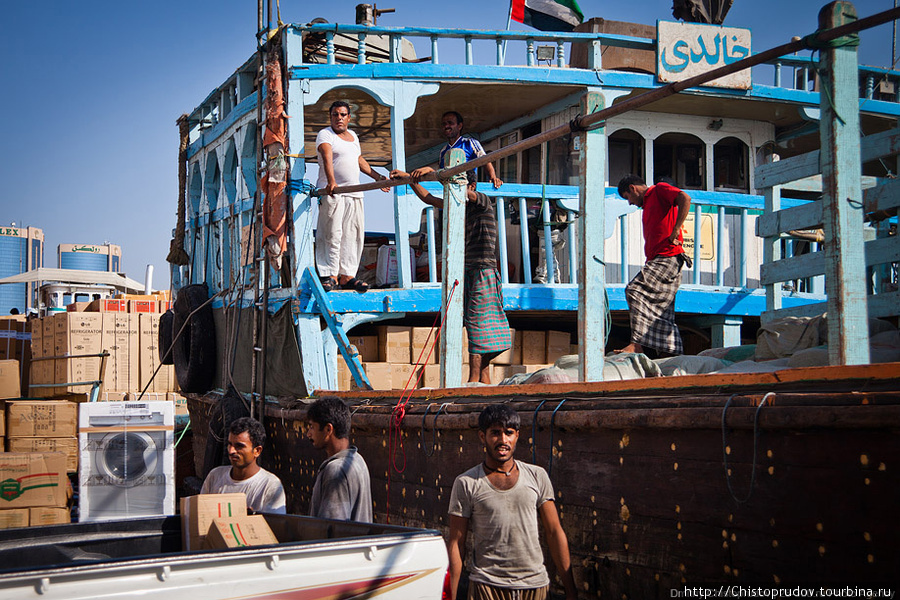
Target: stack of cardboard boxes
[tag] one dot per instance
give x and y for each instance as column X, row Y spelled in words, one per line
column 15, row 344
column 126, row 327
column 390, row 358
column 34, row 491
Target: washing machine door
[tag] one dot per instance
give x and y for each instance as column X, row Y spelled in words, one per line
column 125, row 457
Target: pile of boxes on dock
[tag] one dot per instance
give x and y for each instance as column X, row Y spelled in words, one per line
column 390, row 358
column 42, row 446
column 127, row 328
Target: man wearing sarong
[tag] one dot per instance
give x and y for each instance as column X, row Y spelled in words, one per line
column 651, row 294
column 485, row 321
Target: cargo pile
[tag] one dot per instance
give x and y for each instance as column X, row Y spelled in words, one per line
column 395, row 355
column 127, row 328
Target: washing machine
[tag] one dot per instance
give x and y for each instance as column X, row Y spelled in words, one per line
column 127, row 467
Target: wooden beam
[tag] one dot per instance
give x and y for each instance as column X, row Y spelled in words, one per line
column 453, row 275
column 845, row 263
column 591, row 261
column 806, row 216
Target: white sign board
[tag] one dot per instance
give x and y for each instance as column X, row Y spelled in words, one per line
column 684, row 50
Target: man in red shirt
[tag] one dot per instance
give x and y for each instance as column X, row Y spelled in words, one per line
column 651, row 294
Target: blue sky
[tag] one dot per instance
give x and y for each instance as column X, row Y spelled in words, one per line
column 92, row 90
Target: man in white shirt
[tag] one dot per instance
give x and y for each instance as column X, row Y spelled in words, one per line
column 340, row 230
column 264, row 491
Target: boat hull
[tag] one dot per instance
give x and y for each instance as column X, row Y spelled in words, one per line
column 659, row 484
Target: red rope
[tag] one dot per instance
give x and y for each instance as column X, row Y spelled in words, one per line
column 399, row 411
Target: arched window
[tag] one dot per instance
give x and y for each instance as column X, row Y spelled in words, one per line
column 626, row 155
column 680, row 159
column 730, row 159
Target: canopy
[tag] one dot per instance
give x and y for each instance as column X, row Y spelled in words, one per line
column 76, row 276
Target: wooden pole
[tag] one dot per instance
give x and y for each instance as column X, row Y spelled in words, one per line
column 454, row 235
column 842, row 210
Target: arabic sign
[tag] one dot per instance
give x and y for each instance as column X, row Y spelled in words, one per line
column 91, row 249
column 684, row 50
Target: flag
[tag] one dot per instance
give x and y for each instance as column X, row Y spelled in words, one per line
column 547, row 15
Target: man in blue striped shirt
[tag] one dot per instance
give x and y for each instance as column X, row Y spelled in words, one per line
column 452, row 124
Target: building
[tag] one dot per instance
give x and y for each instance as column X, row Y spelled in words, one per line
column 21, row 250
column 86, row 257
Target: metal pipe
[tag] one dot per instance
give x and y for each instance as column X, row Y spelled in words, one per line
column 639, row 101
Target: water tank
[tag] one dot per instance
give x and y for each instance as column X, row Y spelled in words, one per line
column 21, row 250
column 88, row 257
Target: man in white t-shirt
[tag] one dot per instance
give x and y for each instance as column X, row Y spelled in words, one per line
column 501, row 501
column 264, row 491
column 340, row 230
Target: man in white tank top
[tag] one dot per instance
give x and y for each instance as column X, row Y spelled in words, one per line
column 340, row 230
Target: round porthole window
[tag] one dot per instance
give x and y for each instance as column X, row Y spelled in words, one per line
column 127, row 457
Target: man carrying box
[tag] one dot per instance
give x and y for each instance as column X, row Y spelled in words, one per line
column 263, row 489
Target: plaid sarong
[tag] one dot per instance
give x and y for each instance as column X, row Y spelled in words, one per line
column 484, row 318
column 651, row 304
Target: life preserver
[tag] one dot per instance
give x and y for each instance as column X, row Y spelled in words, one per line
column 194, row 352
column 165, row 337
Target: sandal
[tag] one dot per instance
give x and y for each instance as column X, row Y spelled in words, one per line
column 328, row 283
column 355, row 284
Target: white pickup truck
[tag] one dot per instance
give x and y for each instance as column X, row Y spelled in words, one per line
column 316, row 559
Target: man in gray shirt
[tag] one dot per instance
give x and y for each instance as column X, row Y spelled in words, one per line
column 342, row 489
column 500, row 500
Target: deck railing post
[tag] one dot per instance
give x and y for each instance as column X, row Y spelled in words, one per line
column 591, row 238
column 573, row 251
column 434, row 50
column 501, row 240
column 698, row 216
column 329, row 47
column 361, row 49
column 547, row 235
column 523, row 236
column 454, row 232
column 432, row 252
column 720, row 241
column 845, row 259
column 529, row 49
column 742, row 277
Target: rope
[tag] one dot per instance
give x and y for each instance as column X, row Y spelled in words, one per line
column 534, row 432
column 177, row 255
column 755, row 443
column 552, row 418
column 433, row 428
column 398, row 413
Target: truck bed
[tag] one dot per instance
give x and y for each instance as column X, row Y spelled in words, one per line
column 144, row 557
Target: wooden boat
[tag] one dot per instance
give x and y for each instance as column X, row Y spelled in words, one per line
column 767, row 478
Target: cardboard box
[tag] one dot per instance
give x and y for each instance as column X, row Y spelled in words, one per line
column 48, row 515
column 513, row 355
column 344, row 378
column 180, row 403
column 431, row 376
column 77, row 306
column 198, row 512
column 119, row 337
column 424, row 341
column 501, row 372
column 143, row 306
column 115, row 396
column 12, row 518
column 41, row 346
column 2, row 420
column 534, row 347
column 165, row 305
column 394, row 344
column 77, row 334
column 558, row 343
column 66, row 445
column 367, row 346
column 403, row 377
column 108, row 305
column 9, row 379
column 379, row 374
column 41, row 418
column 163, row 376
column 239, row 532
column 15, row 336
column 28, row 480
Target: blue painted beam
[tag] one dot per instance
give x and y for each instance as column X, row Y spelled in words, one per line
column 692, row 299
